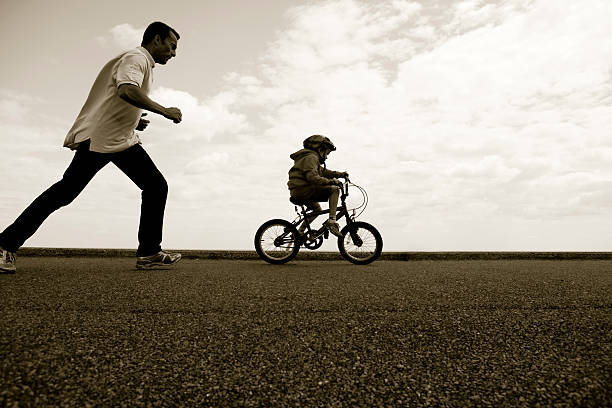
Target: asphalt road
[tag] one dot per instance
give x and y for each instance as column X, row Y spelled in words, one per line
column 96, row 332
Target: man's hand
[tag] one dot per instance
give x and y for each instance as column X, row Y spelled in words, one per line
column 344, row 175
column 133, row 95
column 142, row 123
column 174, row 114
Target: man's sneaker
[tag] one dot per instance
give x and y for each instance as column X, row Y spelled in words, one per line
column 159, row 259
column 7, row 261
column 333, row 227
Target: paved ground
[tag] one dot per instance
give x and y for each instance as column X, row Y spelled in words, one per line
column 94, row 331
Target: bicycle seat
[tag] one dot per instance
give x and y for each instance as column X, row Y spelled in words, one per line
column 297, row 201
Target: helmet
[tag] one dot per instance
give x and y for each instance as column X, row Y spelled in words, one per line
column 315, row 141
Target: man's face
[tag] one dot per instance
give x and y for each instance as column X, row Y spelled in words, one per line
column 165, row 49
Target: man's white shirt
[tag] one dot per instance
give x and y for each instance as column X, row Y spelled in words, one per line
column 106, row 119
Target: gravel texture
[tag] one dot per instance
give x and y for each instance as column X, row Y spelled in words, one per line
column 243, row 255
column 78, row 332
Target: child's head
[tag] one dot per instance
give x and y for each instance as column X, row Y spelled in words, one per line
column 320, row 144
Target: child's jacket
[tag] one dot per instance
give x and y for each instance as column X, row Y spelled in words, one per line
column 307, row 171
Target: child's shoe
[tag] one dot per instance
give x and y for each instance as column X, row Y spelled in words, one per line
column 333, row 227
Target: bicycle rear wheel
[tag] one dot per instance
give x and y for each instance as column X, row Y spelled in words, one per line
column 276, row 241
column 360, row 243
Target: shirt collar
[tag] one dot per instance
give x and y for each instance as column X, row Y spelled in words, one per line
column 148, row 55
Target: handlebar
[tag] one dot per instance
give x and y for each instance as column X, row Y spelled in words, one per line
column 344, row 186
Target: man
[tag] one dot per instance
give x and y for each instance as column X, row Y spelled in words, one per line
column 104, row 132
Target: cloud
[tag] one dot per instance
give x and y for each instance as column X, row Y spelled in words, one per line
column 124, row 36
column 11, row 109
column 208, row 120
column 29, row 158
column 207, row 163
column 479, row 126
column 490, row 101
column 14, row 106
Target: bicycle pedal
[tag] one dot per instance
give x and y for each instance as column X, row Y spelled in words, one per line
column 326, row 234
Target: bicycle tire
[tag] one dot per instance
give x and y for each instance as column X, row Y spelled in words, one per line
column 271, row 243
column 360, row 254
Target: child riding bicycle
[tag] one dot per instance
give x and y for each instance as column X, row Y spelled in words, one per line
column 278, row 241
column 310, row 181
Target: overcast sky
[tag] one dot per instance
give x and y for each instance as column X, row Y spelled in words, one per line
column 473, row 125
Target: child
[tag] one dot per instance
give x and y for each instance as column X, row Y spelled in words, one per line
column 311, row 182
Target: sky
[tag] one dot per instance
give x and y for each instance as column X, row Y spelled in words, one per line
column 473, row 125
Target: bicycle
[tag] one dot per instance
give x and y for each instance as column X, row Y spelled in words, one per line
column 278, row 241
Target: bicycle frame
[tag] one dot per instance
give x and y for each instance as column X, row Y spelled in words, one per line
column 278, row 241
column 341, row 211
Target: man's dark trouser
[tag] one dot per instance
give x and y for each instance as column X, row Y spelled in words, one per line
column 134, row 162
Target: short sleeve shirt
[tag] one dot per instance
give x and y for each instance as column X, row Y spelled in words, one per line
column 106, row 119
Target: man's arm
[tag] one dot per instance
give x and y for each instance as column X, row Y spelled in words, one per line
column 133, row 95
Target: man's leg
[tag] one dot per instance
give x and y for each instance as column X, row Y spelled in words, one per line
column 138, row 166
column 79, row 173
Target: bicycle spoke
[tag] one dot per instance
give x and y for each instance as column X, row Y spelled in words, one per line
column 276, row 242
column 367, row 247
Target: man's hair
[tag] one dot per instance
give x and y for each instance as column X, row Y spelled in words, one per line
column 158, row 28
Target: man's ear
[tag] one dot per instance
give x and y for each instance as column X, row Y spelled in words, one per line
column 157, row 39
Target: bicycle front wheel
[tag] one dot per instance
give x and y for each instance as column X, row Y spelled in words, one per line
column 276, row 241
column 360, row 243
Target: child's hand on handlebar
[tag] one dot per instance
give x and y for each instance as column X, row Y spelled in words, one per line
column 336, row 182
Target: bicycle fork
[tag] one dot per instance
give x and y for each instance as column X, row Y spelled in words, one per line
column 357, row 241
